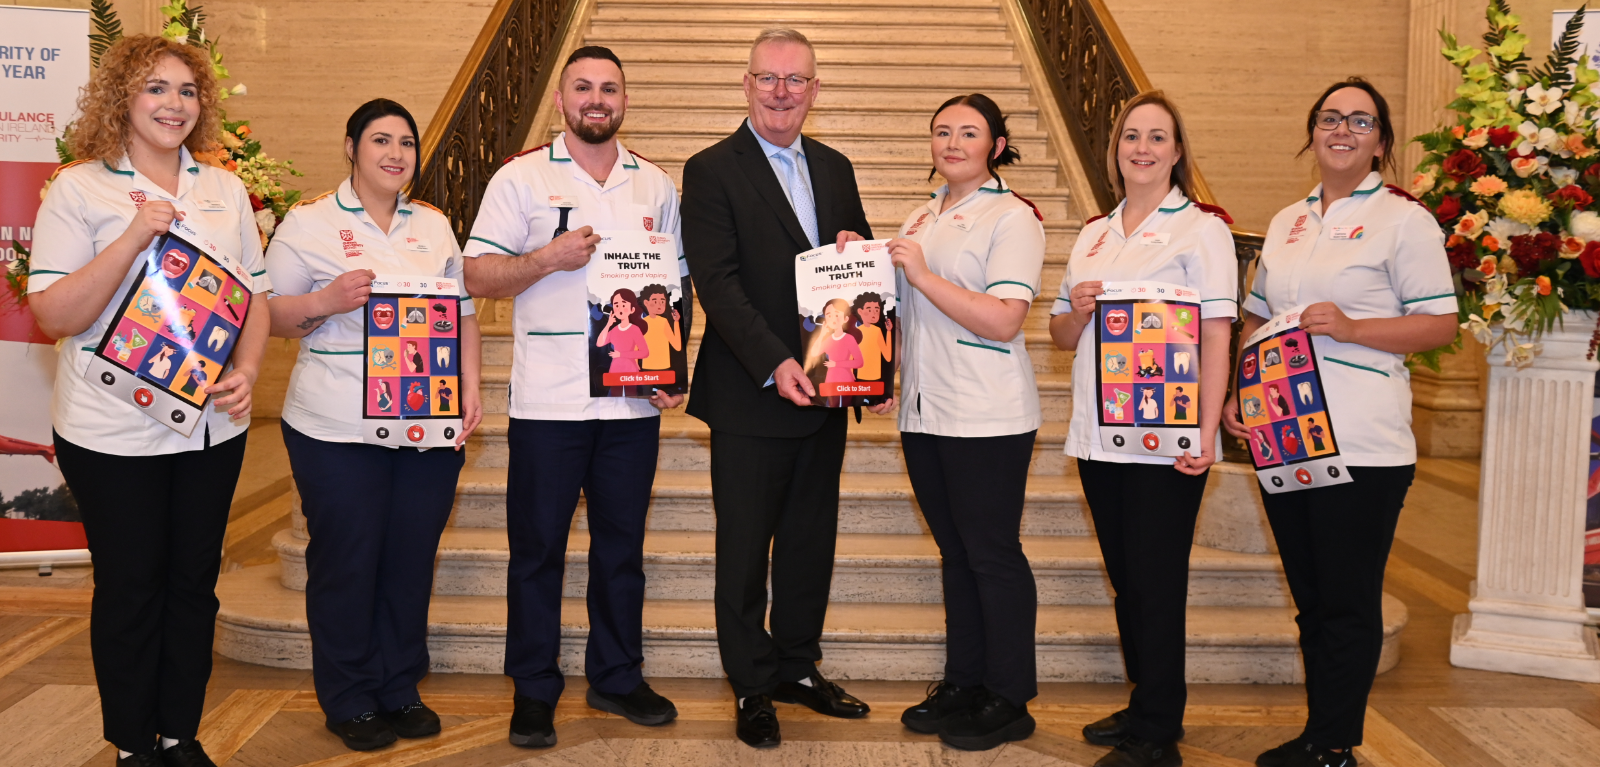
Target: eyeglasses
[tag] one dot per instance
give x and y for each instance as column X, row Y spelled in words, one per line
column 794, row 83
column 1360, row 122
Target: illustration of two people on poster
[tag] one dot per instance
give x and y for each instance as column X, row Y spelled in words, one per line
column 637, row 332
column 852, row 341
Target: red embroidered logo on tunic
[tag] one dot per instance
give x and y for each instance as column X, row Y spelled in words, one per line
column 137, row 197
column 1095, row 249
column 649, row 224
column 1298, row 229
column 916, row 225
column 346, row 235
column 352, row 249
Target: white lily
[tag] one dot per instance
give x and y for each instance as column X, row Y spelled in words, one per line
column 1564, row 176
column 1514, row 98
column 1503, row 229
column 1521, row 355
column 1575, row 115
column 1513, row 78
column 1542, row 100
column 1479, row 328
column 239, row 90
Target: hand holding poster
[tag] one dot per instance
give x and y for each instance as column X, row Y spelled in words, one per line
column 175, row 329
column 637, row 338
column 847, row 322
column 1281, row 403
column 1147, row 371
column 412, row 381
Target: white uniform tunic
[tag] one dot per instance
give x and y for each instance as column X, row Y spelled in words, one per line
column 955, row 383
column 1375, row 254
column 90, row 205
column 311, row 249
column 550, row 362
column 1179, row 243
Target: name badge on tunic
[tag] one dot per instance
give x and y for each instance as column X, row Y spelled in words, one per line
column 1346, row 232
column 417, row 245
column 1154, row 238
column 563, row 201
column 212, row 205
column 961, row 222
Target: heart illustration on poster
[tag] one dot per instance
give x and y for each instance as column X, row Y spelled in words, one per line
column 1116, row 321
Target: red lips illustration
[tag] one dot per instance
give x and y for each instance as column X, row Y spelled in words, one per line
column 383, row 316
column 1116, row 321
column 1250, row 365
column 174, row 263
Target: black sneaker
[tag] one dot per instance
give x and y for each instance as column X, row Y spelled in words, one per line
column 186, row 753
column 944, row 701
column 1322, row 757
column 533, row 723
column 413, row 720
column 1113, row 729
column 363, row 733
column 150, row 759
column 989, row 723
column 1280, row 755
column 642, row 706
column 1138, row 752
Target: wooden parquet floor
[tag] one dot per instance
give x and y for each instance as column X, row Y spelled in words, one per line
column 1425, row 713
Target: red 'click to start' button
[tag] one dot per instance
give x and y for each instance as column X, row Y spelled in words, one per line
column 642, row 378
column 856, row 388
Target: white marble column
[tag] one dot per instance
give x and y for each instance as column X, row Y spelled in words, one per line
column 1528, row 615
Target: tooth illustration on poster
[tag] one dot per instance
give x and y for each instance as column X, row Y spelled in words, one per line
column 411, row 331
column 1292, row 438
column 848, row 316
column 637, row 337
column 1145, row 333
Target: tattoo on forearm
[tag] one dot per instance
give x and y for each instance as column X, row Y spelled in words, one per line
column 312, row 322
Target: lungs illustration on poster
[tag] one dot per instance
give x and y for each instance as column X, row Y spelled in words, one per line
column 411, row 385
column 637, row 338
column 1147, row 368
column 174, row 331
column 1280, row 401
column 848, row 314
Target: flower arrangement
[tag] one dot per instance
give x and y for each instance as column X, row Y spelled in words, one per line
column 1513, row 184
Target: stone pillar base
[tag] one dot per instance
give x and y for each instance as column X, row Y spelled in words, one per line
column 1550, row 647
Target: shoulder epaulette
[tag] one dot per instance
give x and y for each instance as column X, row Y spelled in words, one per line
column 1398, row 192
column 1036, row 213
column 1093, row 219
column 308, row 202
column 64, row 167
column 525, row 151
column 1216, row 210
column 429, row 206
column 646, row 159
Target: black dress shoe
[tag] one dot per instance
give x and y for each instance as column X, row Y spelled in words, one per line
column 1111, row 730
column 413, row 720
column 993, row 721
column 186, row 753
column 1138, row 752
column 642, row 706
column 363, row 733
column 533, row 723
column 944, row 701
column 151, row 759
column 821, row 696
column 758, row 722
column 1280, row 755
column 1315, row 756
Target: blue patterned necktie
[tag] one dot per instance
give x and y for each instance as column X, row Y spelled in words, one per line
column 805, row 208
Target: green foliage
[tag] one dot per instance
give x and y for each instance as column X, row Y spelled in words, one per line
column 1503, row 42
column 107, row 29
column 17, row 279
column 1431, row 359
column 1563, row 54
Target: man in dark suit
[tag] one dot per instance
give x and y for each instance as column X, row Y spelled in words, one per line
column 751, row 203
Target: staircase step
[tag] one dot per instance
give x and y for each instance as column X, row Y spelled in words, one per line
column 797, row 15
column 829, row 35
column 651, row 46
column 661, row 87
column 655, row 140
column 263, row 623
column 1040, row 174
column 724, row 116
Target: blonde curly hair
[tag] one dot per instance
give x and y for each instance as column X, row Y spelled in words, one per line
column 102, row 131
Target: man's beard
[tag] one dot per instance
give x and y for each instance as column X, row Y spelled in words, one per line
column 589, row 132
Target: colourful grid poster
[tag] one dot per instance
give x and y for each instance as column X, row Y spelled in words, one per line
column 1147, row 368
column 411, row 395
column 1281, row 403
column 175, row 329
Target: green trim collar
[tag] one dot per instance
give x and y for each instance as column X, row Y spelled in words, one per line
column 554, row 158
column 1370, row 190
column 1186, row 203
column 128, row 173
column 340, row 201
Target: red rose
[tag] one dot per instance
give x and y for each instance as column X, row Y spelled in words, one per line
column 1464, row 163
column 1590, row 259
column 256, row 203
column 1449, row 208
column 1529, row 250
column 1502, row 136
column 1571, row 195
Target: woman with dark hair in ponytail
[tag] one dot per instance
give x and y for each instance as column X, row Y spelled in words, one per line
column 375, row 513
column 970, row 263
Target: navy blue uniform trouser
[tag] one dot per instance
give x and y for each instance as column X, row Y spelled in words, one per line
column 1334, row 542
column 971, row 491
column 614, row 464
column 1144, row 517
column 155, row 526
column 375, row 515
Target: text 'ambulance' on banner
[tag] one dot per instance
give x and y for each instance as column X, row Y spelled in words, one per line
column 174, row 331
column 637, row 339
column 1281, row 402
column 412, row 381
column 1147, row 376
column 848, row 312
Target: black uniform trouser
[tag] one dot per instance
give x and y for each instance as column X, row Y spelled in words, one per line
column 1144, row 517
column 614, row 463
column 779, row 495
column 375, row 515
column 971, row 492
column 155, row 525
column 1335, row 542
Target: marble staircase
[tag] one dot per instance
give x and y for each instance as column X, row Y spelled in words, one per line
column 683, row 62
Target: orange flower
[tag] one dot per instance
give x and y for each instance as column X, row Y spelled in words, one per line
column 231, row 166
column 1454, row 240
column 1544, row 285
column 1458, row 132
column 1576, row 147
column 1487, row 266
column 1489, row 243
column 244, row 130
column 1571, row 247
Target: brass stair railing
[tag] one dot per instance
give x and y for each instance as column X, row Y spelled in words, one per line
column 488, row 111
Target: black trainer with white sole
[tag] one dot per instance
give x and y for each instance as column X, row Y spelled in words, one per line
column 641, row 706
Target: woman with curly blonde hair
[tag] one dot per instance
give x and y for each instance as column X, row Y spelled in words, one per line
column 154, row 502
